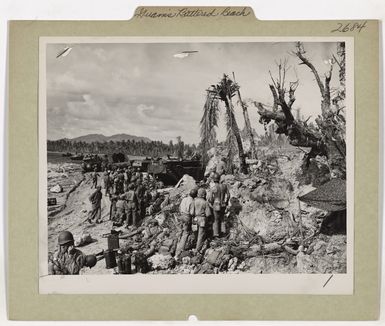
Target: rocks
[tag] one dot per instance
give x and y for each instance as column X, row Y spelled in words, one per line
column 56, row 189
column 83, row 240
column 161, row 262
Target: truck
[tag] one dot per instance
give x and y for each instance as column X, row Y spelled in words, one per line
column 171, row 170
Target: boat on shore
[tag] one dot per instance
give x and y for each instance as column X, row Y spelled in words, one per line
column 77, row 157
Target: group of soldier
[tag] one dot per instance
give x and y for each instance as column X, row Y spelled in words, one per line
column 206, row 210
column 131, row 193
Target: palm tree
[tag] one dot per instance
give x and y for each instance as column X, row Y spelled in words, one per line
column 223, row 91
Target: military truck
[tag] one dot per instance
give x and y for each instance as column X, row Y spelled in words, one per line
column 92, row 161
column 171, row 170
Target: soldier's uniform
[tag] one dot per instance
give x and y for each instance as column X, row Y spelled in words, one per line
column 202, row 212
column 121, row 211
column 187, row 211
column 132, row 206
column 94, row 179
column 219, row 197
column 95, row 199
column 140, row 194
column 64, row 263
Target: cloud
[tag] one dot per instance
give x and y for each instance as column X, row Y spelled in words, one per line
column 143, row 90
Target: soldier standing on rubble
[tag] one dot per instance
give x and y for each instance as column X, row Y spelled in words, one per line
column 221, row 167
column 67, row 260
column 132, row 205
column 202, row 213
column 96, row 199
column 218, row 198
column 187, row 211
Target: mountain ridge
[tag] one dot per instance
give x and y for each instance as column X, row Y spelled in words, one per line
column 89, row 138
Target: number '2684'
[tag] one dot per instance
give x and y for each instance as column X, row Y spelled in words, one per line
column 349, row 27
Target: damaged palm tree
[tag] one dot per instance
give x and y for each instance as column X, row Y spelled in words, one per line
column 248, row 128
column 327, row 137
column 224, row 91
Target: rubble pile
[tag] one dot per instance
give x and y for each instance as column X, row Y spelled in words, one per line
column 268, row 231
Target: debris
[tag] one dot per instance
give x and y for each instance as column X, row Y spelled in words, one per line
column 85, row 239
column 56, row 189
column 161, row 262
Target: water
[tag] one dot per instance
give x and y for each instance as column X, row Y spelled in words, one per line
column 56, row 157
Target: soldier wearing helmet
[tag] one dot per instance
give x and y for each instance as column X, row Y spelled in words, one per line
column 218, row 198
column 121, row 211
column 187, row 212
column 67, row 260
column 202, row 213
column 140, row 194
column 95, row 176
column 132, row 205
column 96, row 201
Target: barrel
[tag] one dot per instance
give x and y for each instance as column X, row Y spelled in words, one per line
column 124, row 264
column 113, row 241
column 109, row 256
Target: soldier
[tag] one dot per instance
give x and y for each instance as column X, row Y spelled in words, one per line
column 67, row 260
column 114, row 199
column 202, row 213
column 218, row 198
column 106, row 183
column 221, row 167
column 140, row 194
column 121, row 210
column 95, row 176
column 127, row 178
column 96, row 199
column 132, row 205
column 119, row 188
column 187, row 211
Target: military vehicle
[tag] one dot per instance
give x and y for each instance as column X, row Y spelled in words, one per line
column 171, row 170
column 92, row 161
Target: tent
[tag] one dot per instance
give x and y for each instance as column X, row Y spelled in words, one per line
column 331, row 196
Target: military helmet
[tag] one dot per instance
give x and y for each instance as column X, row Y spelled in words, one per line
column 90, row 261
column 201, row 192
column 216, row 177
column 65, row 237
column 193, row 192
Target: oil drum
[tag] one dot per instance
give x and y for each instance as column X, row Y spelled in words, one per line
column 113, row 241
column 124, row 264
column 109, row 256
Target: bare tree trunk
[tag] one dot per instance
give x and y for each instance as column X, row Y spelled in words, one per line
column 237, row 135
column 247, row 124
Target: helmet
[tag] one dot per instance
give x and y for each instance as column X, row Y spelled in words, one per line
column 90, row 261
column 201, row 192
column 65, row 237
column 193, row 192
column 216, row 177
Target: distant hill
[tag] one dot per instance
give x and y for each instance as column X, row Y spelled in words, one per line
column 101, row 138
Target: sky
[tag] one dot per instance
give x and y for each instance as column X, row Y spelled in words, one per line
column 141, row 89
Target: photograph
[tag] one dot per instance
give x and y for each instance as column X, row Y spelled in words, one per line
column 195, row 156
